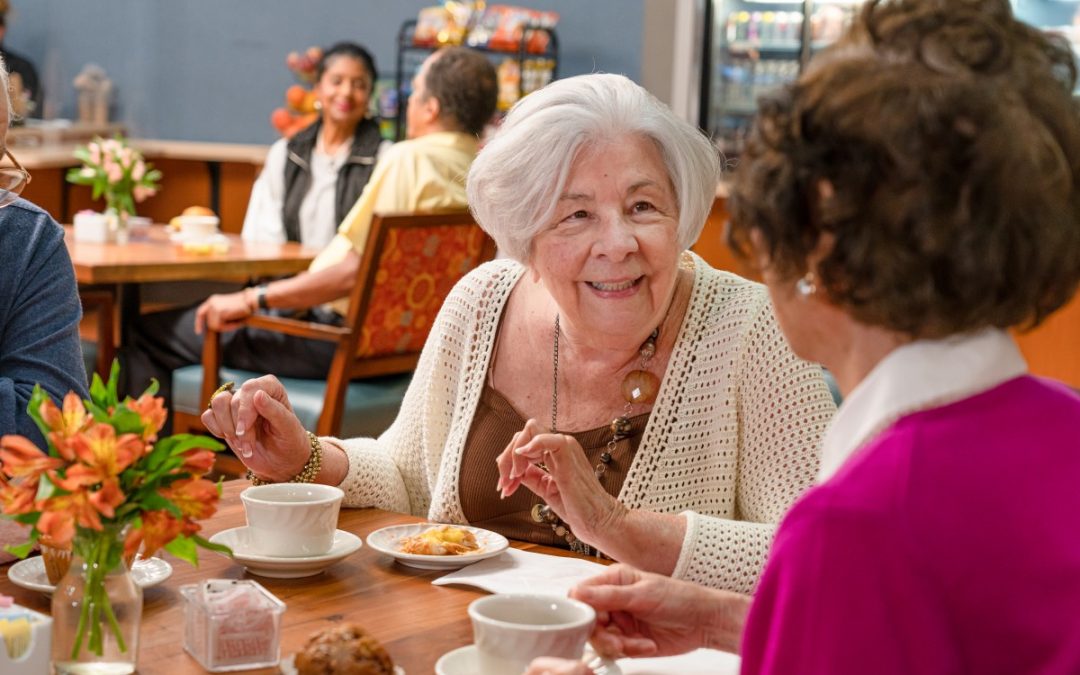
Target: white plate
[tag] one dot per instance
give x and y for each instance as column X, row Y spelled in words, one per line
column 463, row 661
column 288, row 667
column 388, row 541
column 239, row 540
column 30, row 573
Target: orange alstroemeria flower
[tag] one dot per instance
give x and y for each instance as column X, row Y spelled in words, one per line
column 198, row 462
column 195, row 497
column 158, row 529
column 102, row 456
column 106, row 498
column 22, row 459
column 151, row 410
column 60, row 515
column 17, row 496
column 65, row 424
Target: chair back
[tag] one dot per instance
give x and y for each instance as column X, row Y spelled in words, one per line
column 409, row 265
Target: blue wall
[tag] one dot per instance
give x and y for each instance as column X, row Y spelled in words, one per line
column 214, row 69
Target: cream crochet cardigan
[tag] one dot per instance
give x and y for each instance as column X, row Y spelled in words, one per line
column 734, row 437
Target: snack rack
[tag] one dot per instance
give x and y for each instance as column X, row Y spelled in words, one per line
column 534, row 69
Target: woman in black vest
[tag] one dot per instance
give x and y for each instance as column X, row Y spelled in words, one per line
column 311, row 181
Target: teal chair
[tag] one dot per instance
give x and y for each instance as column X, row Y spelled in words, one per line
column 408, row 267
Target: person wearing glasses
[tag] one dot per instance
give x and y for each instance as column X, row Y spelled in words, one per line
column 39, row 307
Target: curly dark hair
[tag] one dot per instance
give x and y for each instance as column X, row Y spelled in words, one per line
column 951, row 142
column 463, row 81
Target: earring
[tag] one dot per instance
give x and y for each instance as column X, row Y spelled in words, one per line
column 806, row 286
column 317, row 105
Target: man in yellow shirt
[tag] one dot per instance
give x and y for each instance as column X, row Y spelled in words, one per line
column 453, row 97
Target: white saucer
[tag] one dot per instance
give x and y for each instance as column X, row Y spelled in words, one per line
column 30, row 573
column 463, row 661
column 239, row 540
column 388, row 539
column 287, row 666
column 189, row 238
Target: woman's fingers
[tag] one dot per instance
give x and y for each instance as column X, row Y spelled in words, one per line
column 220, row 409
column 505, row 462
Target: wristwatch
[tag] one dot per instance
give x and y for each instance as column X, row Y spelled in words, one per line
column 260, row 296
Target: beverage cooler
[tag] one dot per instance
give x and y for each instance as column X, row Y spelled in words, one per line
column 1061, row 17
column 752, row 46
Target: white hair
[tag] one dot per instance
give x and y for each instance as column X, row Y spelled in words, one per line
column 514, row 184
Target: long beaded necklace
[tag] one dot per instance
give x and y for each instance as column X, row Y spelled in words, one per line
column 639, row 386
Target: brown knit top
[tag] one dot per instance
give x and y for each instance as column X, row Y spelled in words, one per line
column 494, row 425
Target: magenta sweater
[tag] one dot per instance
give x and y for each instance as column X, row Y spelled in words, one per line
column 950, row 543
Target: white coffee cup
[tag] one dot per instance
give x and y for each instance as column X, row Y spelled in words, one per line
column 510, row 630
column 198, row 227
column 292, row 520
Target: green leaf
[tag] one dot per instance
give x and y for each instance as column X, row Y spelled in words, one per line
column 26, row 518
column 46, row 488
column 127, row 421
column 152, row 388
column 184, row 548
column 212, row 546
column 185, row 442
column 153, row 501
column 33, row 409
column 22, row 550
column 114, row 381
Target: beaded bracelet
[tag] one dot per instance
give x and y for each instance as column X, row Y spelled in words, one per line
column 307, row 474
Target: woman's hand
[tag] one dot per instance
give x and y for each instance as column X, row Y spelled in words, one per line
column 546, row 665
column 569, row 485
column 644, row 614
column 259, row 425
column 223, row 312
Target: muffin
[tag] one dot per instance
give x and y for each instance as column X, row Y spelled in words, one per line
column 57, row 561
column 345, row 649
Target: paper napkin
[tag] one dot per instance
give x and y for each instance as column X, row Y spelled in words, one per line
column 517, row 571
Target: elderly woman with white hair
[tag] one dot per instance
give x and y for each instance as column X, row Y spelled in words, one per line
column 688, row 426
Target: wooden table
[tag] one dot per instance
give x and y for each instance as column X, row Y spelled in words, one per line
column 154, row 258
column 417, row 622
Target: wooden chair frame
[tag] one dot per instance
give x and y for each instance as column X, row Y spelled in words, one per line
column 346, row 365
column 104, row 304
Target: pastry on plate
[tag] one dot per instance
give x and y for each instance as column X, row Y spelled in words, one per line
column 441, row 540
column 344, row 649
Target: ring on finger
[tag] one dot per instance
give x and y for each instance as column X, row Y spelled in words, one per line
column 226, row 387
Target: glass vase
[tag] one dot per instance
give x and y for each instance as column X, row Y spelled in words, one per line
column 118, row 226
column 96, row 609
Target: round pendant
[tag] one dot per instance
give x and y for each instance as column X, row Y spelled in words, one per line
column 539, row 513
column 640, row 386
column 561, row 531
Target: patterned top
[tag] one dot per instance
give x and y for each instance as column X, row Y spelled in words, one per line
column 733, row 439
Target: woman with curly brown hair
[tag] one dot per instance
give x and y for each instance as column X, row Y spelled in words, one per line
column 911, row 197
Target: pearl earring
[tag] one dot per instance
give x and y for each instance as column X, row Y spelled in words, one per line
column 806, row 286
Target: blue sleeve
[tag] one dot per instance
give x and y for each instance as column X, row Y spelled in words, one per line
column 39, row 316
